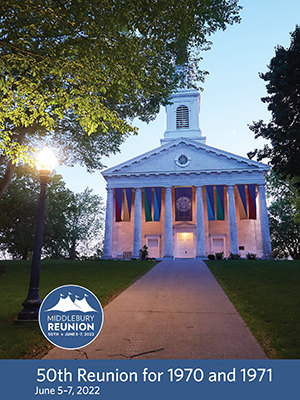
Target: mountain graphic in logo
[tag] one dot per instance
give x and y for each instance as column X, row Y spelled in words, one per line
column 66, row 304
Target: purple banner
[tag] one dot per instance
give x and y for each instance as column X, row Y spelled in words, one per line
column 183, row 204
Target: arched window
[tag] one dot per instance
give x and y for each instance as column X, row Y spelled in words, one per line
column 182, row 117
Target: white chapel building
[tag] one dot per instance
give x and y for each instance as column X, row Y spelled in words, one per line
column 186, row 199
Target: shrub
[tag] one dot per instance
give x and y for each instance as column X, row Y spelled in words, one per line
column 251, row 256
column 211, row 257
column 144, row 253
column 219, row 256
column 233, row 256
column 280, row 254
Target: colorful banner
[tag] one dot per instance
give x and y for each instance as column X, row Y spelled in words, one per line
column 220, row 202
column 183, row 204
column 118, row 197
column 157, row 203
column 242, row 201
column 127, row 199
column 148, row 203
column 252, row 201
column 123, row 201
column 210, row 202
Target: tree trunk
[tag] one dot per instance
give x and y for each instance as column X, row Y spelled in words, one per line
column 10, row 169
column 25, row 254
column 72, row 251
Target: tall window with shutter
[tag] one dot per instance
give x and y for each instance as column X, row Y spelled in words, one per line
column 182, row 117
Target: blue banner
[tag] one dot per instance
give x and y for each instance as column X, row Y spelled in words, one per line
column 242, row 193
column 157, row 203
column 128, row 193
column 149, row 379
column 220, row 202
column 148, row 203
column 118, row 204
column 210, row 203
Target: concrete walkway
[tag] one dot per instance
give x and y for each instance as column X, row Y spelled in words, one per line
column 176, row 311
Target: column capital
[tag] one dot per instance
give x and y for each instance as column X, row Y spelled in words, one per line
column 168, row 189
column 199, row 190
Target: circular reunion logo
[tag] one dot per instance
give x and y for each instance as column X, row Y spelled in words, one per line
column 183, row 204
column 71, row 317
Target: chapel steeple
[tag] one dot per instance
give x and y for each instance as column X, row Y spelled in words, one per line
column 183, row 117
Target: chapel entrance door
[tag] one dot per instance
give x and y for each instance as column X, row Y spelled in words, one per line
column 185, row 245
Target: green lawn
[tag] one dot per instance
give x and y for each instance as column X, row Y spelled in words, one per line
column 106, row 279
column 265, row 293
column 267, row 296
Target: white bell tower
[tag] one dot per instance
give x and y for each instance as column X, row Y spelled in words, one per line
column 183, row 117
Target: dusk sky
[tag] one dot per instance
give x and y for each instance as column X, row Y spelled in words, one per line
column 232, row 90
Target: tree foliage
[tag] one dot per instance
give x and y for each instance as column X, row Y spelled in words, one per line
column 98, row 63
column 73, row 221
column 17, row 215
column 283, row 101
column 78, row 231
column 284, row 228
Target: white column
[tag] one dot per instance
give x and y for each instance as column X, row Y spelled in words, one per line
column 137, row 228
column 232, row 221
column 108, row 224
column 168, row 225
column 264, row 223
column 200, row 224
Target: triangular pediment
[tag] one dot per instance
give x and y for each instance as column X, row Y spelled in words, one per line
column 196, row 158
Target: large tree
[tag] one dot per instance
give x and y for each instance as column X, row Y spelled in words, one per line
column 283, row 130
column 284, row 228
column 17, row 215
column 73, row 221
column 18, row 210
column 97, row 63
column 83, row 227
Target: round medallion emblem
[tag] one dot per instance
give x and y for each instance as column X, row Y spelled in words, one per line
column 183, row 159
column 183, row 204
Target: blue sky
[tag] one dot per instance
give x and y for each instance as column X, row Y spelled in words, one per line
column 232, row 90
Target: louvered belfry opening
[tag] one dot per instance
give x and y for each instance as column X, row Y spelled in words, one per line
column 182, row 117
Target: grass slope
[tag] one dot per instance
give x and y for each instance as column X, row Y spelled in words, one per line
column 267, row 296
column 106, row 279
